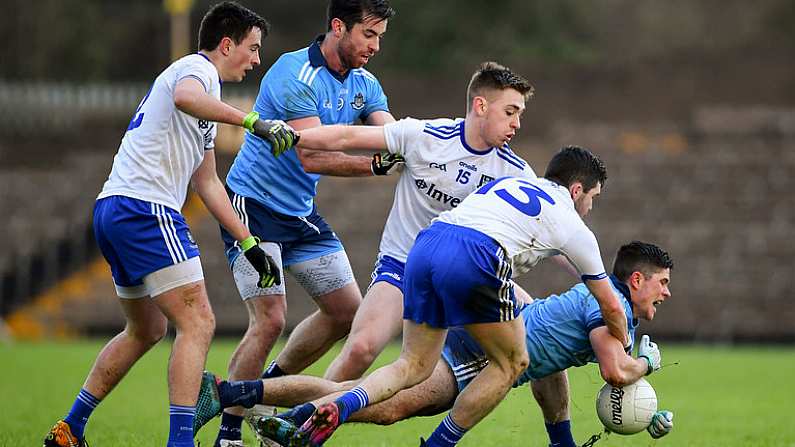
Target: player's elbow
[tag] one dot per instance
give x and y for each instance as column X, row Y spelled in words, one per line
column 615, row 376
column 310, row 160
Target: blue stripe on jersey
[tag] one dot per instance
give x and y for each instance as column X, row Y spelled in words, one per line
column 506, row 150
column 602, row 275
column 509, row 160
column 441, row 136
column 444, row 129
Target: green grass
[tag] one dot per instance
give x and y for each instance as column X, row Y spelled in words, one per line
column 720, row 396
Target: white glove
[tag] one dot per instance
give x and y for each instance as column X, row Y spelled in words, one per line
column 661, row 424
column 651, row 353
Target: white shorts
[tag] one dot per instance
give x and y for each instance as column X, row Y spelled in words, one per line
column 165, row 279
column 318, row 276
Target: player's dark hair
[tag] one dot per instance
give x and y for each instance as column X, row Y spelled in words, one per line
column 575, row 164
column 640, row 257
column 493, row 76
column 352, row 12
column 229, row 19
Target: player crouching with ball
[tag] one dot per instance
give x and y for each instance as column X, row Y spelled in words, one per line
column 562, row 331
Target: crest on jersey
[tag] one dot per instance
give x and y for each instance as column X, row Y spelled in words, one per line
column 484, row 179
column 358, row 102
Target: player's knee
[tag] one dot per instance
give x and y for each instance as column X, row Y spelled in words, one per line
column 417, row 370
column 149, row 335
column 522, row 361
column 388, row 416
column 362, row 351
column 267, row 326
column 200, row 328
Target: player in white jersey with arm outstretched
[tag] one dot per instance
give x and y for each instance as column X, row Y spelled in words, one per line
column 459, row 273
column 445, row 160
column 144, row 237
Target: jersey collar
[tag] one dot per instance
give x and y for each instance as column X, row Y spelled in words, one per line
column 624, row 289
column 220, row 82
column 316, row 58
column 467, row 146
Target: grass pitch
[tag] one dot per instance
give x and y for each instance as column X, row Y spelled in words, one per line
column 720, row 396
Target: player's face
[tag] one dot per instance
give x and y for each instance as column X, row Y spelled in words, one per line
column 652, row 291
column 504, row 109
column 244, row 56
column 361, row 42
column 583, row 200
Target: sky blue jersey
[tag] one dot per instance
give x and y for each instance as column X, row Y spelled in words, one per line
column 299, row 85
column 558, row 328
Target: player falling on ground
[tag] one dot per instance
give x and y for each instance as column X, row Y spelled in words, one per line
column 562, row 331
column 445, row 160
column 459, row 272
column 324, row 83
column 153, row 258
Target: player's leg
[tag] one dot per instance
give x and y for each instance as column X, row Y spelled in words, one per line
column 428, row 398
column 266, row 310
column 145, row 326
column 552, row 395
column 503, row 344
column 422, row 345
column 134, row 243
column 378, row 320
column 320, row 265
column 188, row 309
column 265, row 307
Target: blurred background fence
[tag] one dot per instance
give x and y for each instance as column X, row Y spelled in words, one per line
column 690, row 103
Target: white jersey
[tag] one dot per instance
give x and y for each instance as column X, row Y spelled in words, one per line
column 441, row 170
column 532, row 219
column 164, row 146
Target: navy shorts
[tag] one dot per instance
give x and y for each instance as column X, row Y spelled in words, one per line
column 456, row 276
column 138, row 238
column 388, row 269
column 300, row 238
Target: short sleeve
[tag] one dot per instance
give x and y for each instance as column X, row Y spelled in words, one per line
column 401, row 136
column 592, row 314
column 199, row 69
column 377, row 100
column 583, row 252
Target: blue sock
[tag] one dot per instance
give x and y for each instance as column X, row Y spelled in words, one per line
column 180, row 432
column 560, row 434
column 447, row 434
column 351, row 402
column 272, row 371
column 299, row 414
column 84, row 405
column 244, row 393
column 231, row 425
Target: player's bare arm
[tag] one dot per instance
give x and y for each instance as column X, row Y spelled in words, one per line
column 612, row 311
column 317, row 159
column 344, row 138
column 208, row 186
column 210, row 189
column 616, row 366
column 190, row 97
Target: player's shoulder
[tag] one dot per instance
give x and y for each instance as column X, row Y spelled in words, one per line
column 195, row 60
column 509, row 157
column 442, row 128
column 291, row 64
column 364, row 75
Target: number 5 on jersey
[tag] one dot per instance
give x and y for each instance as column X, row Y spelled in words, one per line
column 534, row 195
